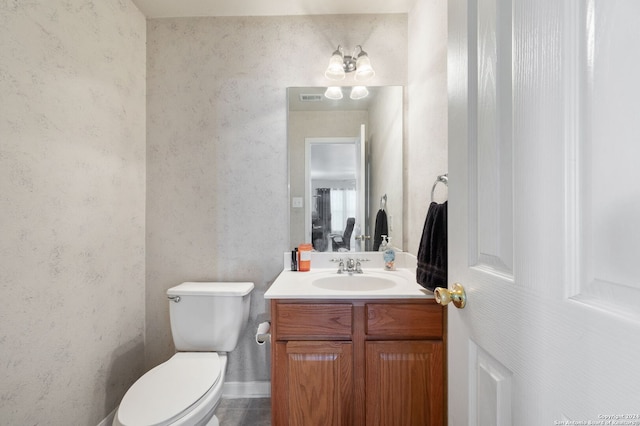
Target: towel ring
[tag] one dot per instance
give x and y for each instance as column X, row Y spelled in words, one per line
column 442, row 178
column 383, row 202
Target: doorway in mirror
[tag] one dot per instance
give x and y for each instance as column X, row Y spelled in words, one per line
column 334, row 179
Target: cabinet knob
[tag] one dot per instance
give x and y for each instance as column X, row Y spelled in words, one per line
column 456, row 295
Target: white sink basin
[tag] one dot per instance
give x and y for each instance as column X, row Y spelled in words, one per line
column 353, row 283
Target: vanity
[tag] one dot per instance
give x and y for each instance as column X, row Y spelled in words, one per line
column 360, row 349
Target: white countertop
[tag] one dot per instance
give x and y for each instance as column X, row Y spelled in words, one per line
column 298, row 285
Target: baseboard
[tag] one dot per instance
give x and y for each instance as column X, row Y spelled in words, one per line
column 108, row 421
column 246, row 390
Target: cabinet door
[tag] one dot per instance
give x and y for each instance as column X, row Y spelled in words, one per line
column 316, row 379
column 405, row 383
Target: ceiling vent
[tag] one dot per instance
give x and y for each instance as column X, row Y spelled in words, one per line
column 311, row 97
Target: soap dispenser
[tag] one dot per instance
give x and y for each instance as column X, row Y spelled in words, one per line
column 389, row 256
column 383, row 243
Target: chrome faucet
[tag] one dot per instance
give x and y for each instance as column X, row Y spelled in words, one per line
column 349, row 266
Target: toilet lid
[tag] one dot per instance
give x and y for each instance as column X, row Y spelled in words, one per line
column 163, row 394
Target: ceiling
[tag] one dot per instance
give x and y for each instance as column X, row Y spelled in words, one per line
column 333, row 161
column 185, row 8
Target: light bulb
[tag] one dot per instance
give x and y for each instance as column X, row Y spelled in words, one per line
column 364, row 70
column 359, row 92
column 333, row 92
column 335, row 70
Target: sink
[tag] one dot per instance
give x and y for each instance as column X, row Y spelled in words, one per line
column 353, row 283
column 326, row 283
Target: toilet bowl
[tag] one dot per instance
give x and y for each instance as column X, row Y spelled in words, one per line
column 206, row 322
column 183, row 391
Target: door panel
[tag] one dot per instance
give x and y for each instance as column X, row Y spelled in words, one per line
column 544, row 201
column 491, row 382
column 404, row 383
column 491, row 239
column 607, row 197
column 319, row 382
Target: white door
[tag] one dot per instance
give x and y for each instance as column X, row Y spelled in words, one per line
column 544, row 212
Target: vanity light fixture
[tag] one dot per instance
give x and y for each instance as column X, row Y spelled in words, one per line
column 341, row 64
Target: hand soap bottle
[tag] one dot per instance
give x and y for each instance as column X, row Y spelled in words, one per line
column 389, row 256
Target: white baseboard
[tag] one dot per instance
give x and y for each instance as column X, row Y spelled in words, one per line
column 246, row 390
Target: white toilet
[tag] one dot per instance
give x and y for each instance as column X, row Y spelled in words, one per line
column 206, row 321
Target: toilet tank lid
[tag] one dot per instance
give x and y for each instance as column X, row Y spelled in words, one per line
column 211, row 289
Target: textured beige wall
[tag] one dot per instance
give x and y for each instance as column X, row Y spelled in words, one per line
column 72, row 188
column 217, row 198
column 426, row 153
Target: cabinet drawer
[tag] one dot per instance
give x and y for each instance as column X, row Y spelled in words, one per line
column 303, row 321
column 404, row 320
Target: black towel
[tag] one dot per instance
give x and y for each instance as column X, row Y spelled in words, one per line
column 432, row 253
column 381, row 229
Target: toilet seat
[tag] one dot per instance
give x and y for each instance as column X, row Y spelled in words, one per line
column 171, row 390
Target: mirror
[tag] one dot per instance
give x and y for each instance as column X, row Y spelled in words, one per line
column 345, row 166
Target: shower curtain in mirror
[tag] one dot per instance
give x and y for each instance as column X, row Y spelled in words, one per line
column 322, row 219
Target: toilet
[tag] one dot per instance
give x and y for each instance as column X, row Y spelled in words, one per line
column 207, row 319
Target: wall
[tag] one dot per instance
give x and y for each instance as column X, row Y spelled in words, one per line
column 217, row 150
column 72, row 185
column 426, row 151
column 386, row 118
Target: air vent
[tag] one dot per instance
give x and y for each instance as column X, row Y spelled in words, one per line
column 311, row 97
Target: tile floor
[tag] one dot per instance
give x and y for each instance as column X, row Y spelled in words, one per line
column 244, row 412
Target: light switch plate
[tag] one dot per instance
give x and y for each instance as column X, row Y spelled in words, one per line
column 296, row 202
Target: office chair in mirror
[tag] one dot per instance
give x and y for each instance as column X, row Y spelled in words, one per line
column 343, row 242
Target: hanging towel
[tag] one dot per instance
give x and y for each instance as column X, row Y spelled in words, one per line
column 381, row 229
column 432, row 253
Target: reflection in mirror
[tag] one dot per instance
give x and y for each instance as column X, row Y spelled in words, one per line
column 345, row 168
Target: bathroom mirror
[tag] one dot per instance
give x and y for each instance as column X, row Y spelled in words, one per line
column 345, row 165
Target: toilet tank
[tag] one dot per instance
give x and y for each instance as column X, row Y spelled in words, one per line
column 208, row 316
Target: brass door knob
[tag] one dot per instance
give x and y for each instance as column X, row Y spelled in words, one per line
column 456, row 295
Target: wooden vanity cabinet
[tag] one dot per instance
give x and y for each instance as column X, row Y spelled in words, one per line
column 358, row 362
